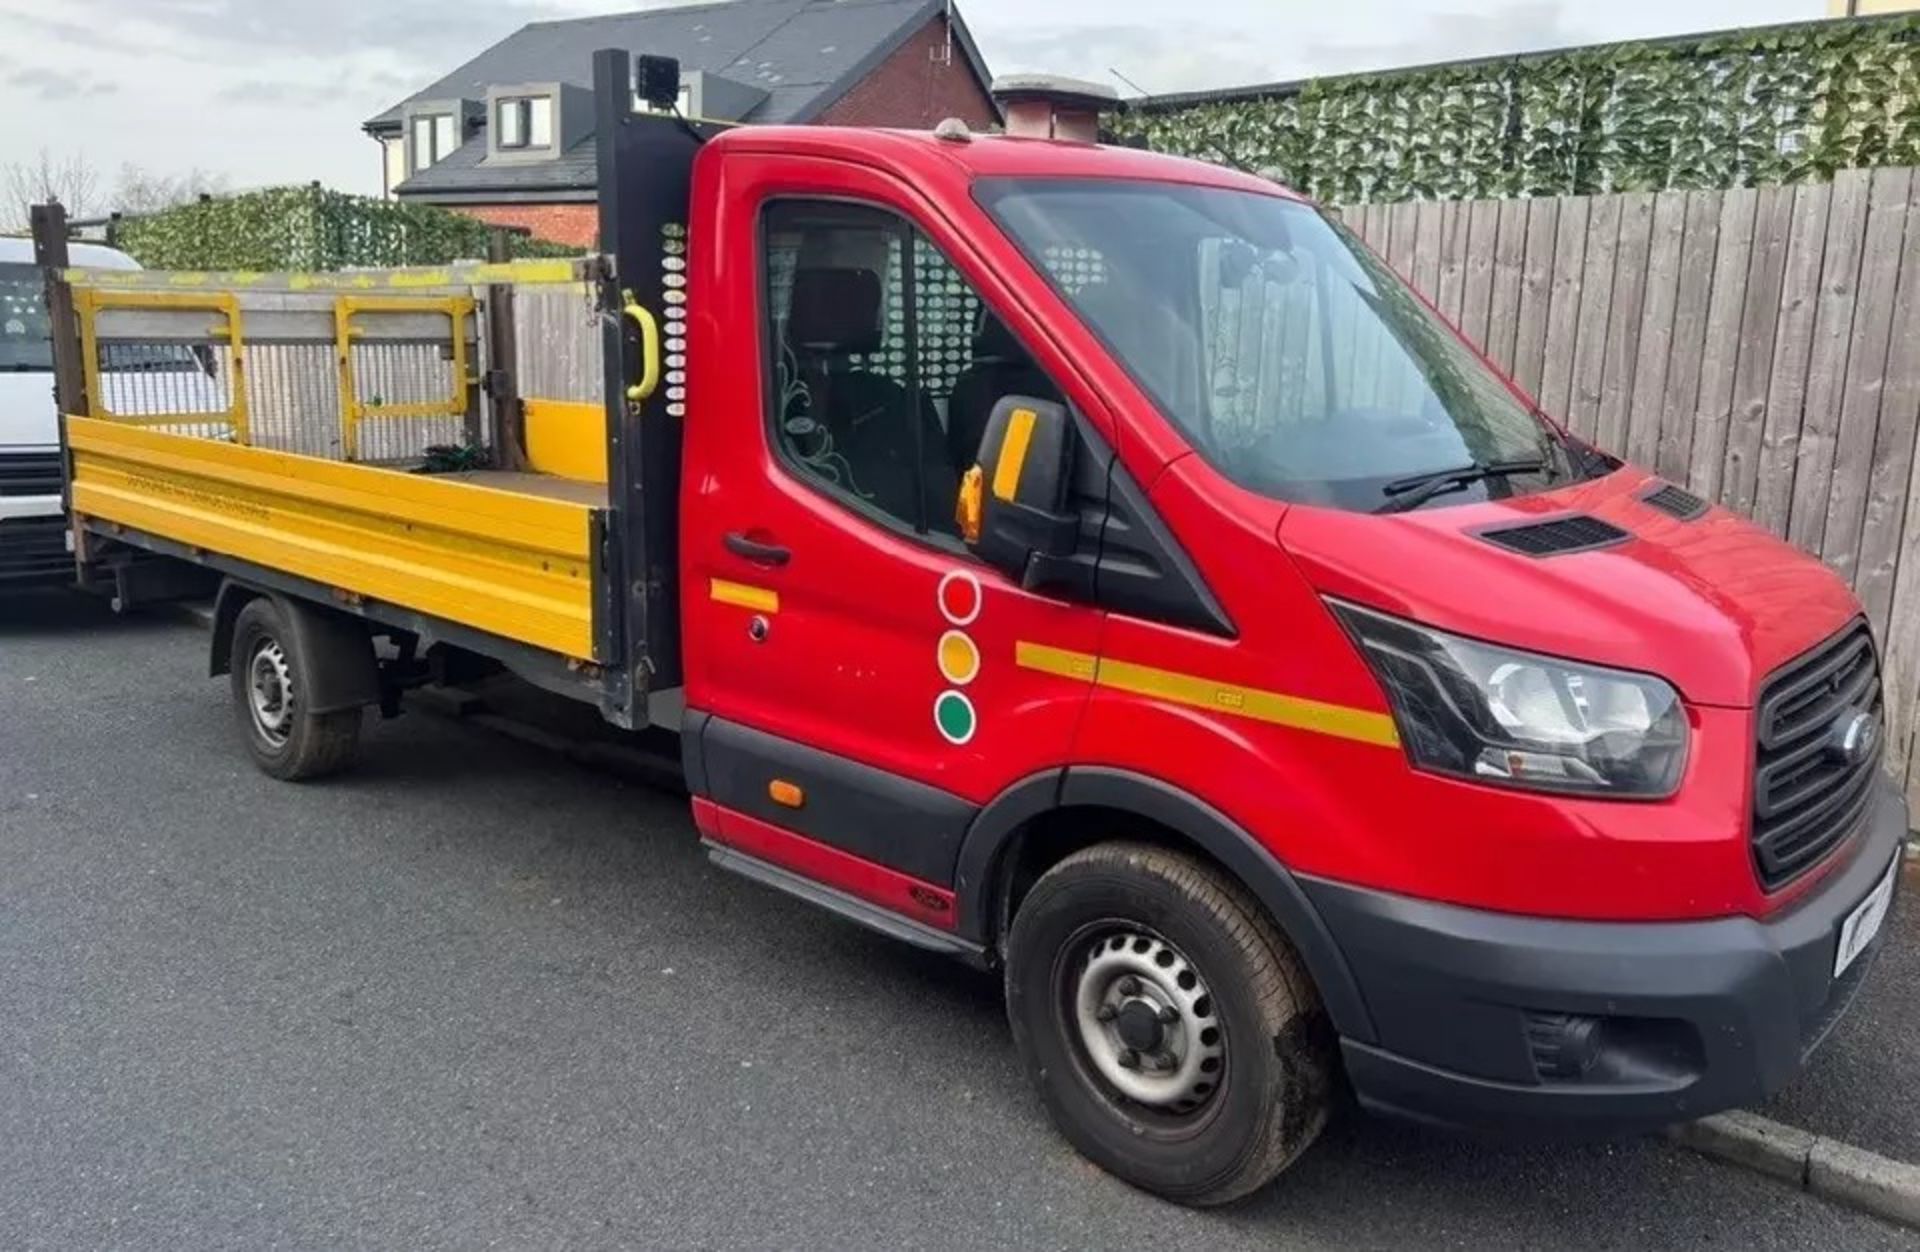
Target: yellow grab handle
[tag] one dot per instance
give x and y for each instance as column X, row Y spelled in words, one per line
column 649, row 348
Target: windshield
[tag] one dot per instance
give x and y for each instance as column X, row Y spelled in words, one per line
column 24, row 342
column 1292, row 360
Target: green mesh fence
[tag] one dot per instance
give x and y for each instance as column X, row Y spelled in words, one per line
column 1778, row 105
column 310, row 228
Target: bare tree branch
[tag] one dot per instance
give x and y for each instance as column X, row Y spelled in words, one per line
column 69, row 178
column 142, row 191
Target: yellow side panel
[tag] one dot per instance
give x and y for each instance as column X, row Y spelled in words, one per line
column 514, row 565
column 567, row 440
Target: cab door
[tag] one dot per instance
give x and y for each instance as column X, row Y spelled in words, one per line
column 854, row 675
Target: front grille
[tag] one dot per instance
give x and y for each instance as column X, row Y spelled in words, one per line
column 30, row 473
column 1575, row 532
column 1808, row 795
column 34, row 549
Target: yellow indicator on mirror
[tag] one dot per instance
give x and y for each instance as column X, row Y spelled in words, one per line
column 1013, row 454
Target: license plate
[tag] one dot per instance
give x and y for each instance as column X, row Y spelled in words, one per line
column 1864, row 922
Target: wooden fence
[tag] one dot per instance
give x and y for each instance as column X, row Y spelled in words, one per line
column 557, row 339
column 1761, row 346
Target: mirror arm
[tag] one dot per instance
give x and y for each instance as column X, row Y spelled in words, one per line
column 1054, row 563
column 1066, row 575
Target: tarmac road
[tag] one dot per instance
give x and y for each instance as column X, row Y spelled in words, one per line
column 474, row 996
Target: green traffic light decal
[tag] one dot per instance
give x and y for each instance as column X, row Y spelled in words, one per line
column 953, row 716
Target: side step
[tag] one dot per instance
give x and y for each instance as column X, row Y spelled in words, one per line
column 851, row 907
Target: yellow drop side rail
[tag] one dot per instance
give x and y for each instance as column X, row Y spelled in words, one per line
column 513, row 565
column 89, row 302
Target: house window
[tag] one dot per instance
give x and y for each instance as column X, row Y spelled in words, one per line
column 434, row 139
column 525, row 122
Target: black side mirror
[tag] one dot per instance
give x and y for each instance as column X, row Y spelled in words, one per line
column 1013, row 502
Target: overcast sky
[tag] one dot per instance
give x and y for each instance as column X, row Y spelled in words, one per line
column 268, row 91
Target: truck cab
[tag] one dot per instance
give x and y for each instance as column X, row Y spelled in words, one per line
column 1100, row 567
column 33, row 546
column 1557, row 786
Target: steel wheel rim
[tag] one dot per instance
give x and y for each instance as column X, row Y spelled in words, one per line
column 1120, row 978
column 270, row 692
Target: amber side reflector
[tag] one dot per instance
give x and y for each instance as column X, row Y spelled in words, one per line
column 786, row 794
column 967, row 506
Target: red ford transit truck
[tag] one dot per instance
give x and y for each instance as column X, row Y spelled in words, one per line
column 1100, row 567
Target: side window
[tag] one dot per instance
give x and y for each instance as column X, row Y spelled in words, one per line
column 883, row 358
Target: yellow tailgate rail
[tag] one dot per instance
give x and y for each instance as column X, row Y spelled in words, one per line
column 90, row 302
column 355, row 410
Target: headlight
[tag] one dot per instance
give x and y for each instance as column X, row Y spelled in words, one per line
column 1501, row 716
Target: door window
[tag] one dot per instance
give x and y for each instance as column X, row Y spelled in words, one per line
column 885, row 361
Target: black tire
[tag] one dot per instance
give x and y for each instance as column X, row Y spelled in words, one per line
column 1275, row 1065
column 307, row 745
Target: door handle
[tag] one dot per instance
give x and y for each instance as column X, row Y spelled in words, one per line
column 755, row 551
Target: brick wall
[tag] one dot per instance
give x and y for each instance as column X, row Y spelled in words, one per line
column 913, row 90
column 576, row 224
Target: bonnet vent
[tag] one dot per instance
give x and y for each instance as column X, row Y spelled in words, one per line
column 1576, row 532
column 1676, row 502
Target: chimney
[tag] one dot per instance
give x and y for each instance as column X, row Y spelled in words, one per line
column 1047, row 106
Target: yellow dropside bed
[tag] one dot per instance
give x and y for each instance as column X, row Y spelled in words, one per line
column 509, row 554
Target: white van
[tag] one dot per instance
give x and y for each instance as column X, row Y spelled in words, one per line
column 33, row 541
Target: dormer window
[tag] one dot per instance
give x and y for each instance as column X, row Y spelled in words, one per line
column 434, row 138
column 524, row 122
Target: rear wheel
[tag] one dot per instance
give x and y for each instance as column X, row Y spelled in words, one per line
column 285, row 737
column 1170, row 1028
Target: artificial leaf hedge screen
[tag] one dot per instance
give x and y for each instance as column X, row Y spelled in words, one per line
column 310, row 228
column 1779, row 105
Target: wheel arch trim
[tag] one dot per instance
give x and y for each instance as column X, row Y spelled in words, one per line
column 982, row 856
column 341, row 670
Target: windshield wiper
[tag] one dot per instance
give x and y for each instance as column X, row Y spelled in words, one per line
column 1416, row 489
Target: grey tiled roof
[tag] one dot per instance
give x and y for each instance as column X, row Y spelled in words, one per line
column 463, row 170
column 804, row 53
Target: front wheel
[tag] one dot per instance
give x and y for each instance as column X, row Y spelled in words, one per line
column 1171, row 1029
column 285, row 737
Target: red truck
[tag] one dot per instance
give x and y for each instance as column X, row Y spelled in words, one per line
column 1203, row 634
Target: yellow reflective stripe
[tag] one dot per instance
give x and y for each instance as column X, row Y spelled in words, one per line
column 760, row 599
column 1039, row 656
column 1296, row 712
column 1013, row 455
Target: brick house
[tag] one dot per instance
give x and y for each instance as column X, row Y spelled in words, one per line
column 507, row 137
